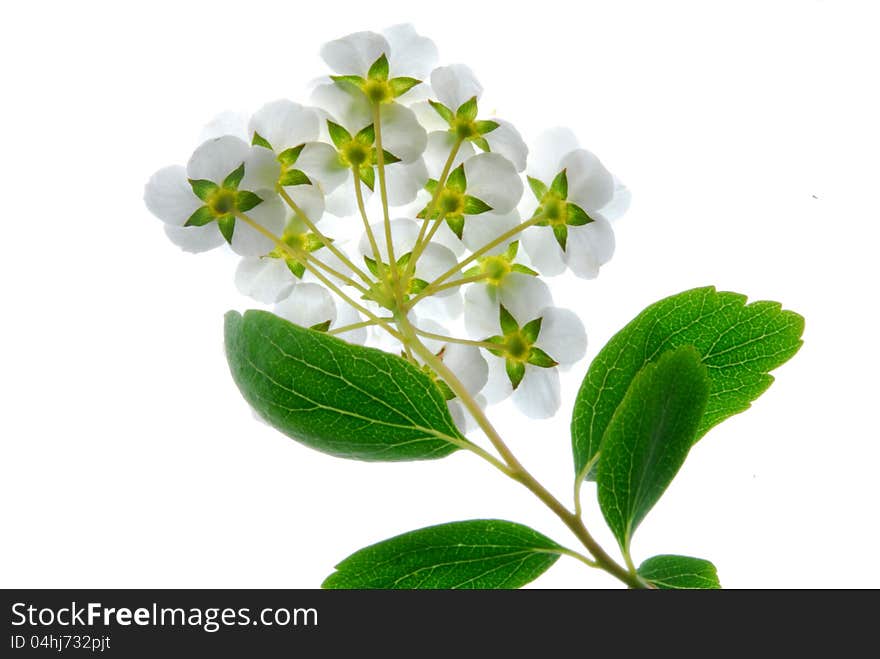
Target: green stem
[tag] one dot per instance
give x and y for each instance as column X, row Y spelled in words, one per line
column 377, row 255
column 354, row 326
column 380, row 165
column 452, row 339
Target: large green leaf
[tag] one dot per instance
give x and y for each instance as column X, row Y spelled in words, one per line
column 649, row 437
column 739, row 343
column 346, row 400
column 670, row 572
column 480, row 553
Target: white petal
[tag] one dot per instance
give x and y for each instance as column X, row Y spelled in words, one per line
column 454, row 85
column 309, row 200
column 543, row 250
column 411, row 54
column 507, row 141
column 247, row 241
column 284, row 124
column 195, row 239
column 403, row 237
column 261, row 170
column 346, row 105
column 498, row 384
column 329, row 259
column 402, row 135
column 538, row 394
column 445, row 237
column 562, row 335
column 590, row 185
column 307, row 305
column 321, row 164
column 405, row 180
column 428, row 117
column 355, row 53
column 434, row 261
column 169, row 196
column 226, row 123
column 437, row 152
column 215, row 159
column 462, row 418
column 524, row 296
column 468, row 365
column 266, row 280
column 442, row 308
column 341, row 202
column 481, row 311
column 616, row 208
column 547, row 153
column 482, row 229
column 347, row 315
column 492, row 178
column 589, row 246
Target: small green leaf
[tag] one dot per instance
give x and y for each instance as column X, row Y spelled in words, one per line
column 511, row 251
column 200, row 218
column 739, row 343
column 519, row 267
column 457, row 179
column 244, row 200
column 538, row 188
column 294, row 177
column 416, row 286
column 500, row 341
column 560, row 232
column 577, row 217
column 368, row 176
column 389, row 157
column 485, row 126
column 532, row 329
column 468, row 109
column 321, row 327
column 431, row 185
column 670, row 572
column 480, row 553
column 541, row 359
column 226, row 224
column 474, row 206
column 357, row 81
column 288, row 157
column 507, row 321
column 456, row 224
column 443, row 111
column 379, row 69
column 366, row 135
column 404, row 260
column 296, row 268
column 234, row 178
column 259, row 140
column 515, row 372
column 342, row 399
column 481, row 143
column 338, row 134
column 401, row 85
column 560, row 185
column 203, row 188
column 649, row 437
column 372, row 265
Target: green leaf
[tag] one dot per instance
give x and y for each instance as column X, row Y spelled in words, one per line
column 560, row 185
column 234, row 178
column 670, row 572
column 294, row 177
column 649, row 437
column 739, row 343
column 480, row 553
column 244, row 200
column 321, row 327
column 203, row 188
column 401, row 85
column 532, row 329
column 259, row 140
column 368, row 176
column 404, row 260
column 485, row 127
column 342, row 399
column 468, row 109
column 538, row 188
column 200, row 218
column 357, row 81
column 372, row 265
column 416, row 286
column 296, row 268
column 288, row 157
column 511, row 251
column 379, row 69
column 560, row 232
column 515, row 372
column 524, row 269
column 577, row 217
column 443, row 111
column 456, row 224
column 431, row 185
column 507, row 321
column 541, row 359
column 474, row 206
column 226, row 224
column 366, row 135
column 457, row 179
column 389, row 157
column 481, row 143
column 338, row 134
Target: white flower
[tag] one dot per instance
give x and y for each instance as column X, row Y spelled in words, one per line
column 571, row 191
column 309, row 305
column 408, row 53
column 215, row 171
column 458, row 91
column 520, row 293
column 265, row 279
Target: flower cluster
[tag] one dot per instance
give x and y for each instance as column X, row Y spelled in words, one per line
column 390, row 210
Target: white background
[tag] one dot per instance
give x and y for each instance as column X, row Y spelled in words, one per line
column 747, row 131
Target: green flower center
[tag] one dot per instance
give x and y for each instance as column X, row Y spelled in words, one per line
column 451, row 202
column 464, row 128
column 555, row 210
column 378, row 91
column 222, row 202
column 496, row 268
column 517, row 347
column 355, row 153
